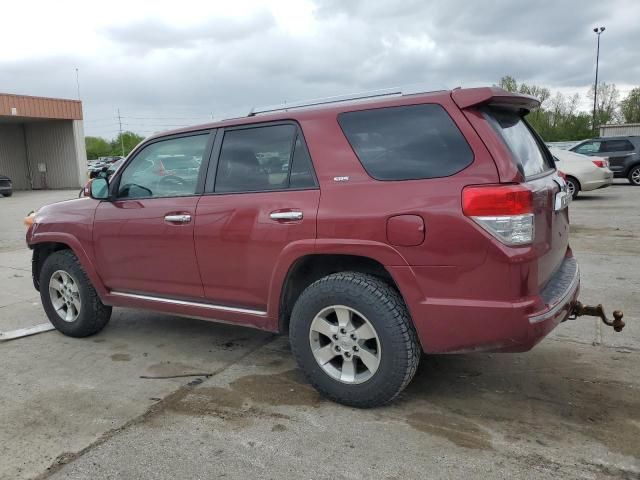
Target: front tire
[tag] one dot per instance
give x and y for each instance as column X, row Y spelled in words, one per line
column 353, row 338
column 634, row 176
column 69, row 299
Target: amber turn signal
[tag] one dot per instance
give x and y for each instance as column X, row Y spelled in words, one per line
column 29, row 219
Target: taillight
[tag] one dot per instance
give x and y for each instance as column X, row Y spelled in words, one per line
column 505, row 211
column 562, row 175
column 601, row 163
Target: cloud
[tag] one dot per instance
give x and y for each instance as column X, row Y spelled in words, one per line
column 184, row 63
column 148, row 34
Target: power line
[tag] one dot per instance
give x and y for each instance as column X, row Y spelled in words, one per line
column 121, row 139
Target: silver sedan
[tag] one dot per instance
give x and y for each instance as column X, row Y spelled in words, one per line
column 583, row 173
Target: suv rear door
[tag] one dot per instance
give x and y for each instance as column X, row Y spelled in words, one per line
column 143, row 238
column 618, row 151
column 535, row 164
column 261, row 196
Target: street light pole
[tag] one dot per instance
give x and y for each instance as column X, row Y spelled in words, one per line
column 598, row 31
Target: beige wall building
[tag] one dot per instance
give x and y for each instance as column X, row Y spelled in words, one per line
column 624, row 129
column 42, row 142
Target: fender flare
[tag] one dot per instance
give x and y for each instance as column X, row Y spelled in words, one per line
column 76, row 247
column 383, row 253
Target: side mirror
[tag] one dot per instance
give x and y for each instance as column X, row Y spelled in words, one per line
column 99, row 188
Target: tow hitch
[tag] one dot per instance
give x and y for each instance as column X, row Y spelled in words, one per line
column 578, row 309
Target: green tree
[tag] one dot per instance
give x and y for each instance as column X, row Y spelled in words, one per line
column 558, row 118
column 97, row 147
column 508, row 83
column 127, row 140
column 511, row 85
column 607, row 103
column 630, row 106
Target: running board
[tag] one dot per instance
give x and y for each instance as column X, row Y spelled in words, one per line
column 185, row 303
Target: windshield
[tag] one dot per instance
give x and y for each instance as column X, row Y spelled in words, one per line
column 517, row 135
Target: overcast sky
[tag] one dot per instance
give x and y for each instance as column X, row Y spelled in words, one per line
column 166, row 63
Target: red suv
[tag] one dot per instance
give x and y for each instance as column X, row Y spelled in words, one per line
column 370, row 229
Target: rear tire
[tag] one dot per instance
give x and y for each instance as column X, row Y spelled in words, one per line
column 634, row 176
column 8, row 194
column 359, row 326
column 574, row 187
column 69, row 299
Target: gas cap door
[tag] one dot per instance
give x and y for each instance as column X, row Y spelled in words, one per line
column 405, row 230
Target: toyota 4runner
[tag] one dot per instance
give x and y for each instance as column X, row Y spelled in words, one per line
column 369, row 229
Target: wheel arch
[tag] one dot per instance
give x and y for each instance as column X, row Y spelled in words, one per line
column 573, row 177
column 43, row 245
column 633, row 165
column 311, row 267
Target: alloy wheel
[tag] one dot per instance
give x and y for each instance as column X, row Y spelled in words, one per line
column 65, row 296
column 345, row 344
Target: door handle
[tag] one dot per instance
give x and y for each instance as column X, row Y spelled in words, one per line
column 286, row 216
column 181, row 218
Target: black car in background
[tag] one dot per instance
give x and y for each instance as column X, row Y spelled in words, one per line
column 6, row 187
column 623, row 154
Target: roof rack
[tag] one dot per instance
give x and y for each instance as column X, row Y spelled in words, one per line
column 326, row 100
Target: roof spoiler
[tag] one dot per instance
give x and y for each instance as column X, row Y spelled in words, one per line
column 472, row 97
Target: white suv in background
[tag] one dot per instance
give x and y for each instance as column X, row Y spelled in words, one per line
column 583, row 173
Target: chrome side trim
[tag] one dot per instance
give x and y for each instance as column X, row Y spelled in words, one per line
column 575, row 282
column 185, row 303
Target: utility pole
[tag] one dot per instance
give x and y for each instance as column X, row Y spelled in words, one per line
column 598, row 31
column 78, row 81
column 121, row 139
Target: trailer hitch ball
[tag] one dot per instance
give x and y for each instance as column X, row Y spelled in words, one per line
column 578, row 309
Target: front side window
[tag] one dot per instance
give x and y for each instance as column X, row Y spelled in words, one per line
column 168, row 168
column 527, row 153
column 263, row 158
column 406, row 143
column 587, row 148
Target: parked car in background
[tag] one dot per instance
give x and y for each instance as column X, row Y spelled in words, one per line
column 107, row 169
column 562, row 145
column 583, row 173
column 94, row 167
column 367, row 230
column 6, row 187
column 623, row 154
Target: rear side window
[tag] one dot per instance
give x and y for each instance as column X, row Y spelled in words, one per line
column 406, row 143
column 262, row 159
column 301, row 175
column 616, row 146
column 527, row 153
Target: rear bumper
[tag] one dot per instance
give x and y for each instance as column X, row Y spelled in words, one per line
column 459, row 326
column 605, row 180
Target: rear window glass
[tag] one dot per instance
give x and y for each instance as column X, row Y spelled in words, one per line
column 406, row 143
column 527, row 153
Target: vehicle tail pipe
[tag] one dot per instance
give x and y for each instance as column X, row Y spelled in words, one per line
column 578, row 309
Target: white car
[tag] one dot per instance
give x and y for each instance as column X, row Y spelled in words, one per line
column 583, row 173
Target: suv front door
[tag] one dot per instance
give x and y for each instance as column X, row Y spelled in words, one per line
column 263, row 198
column 143, row 238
